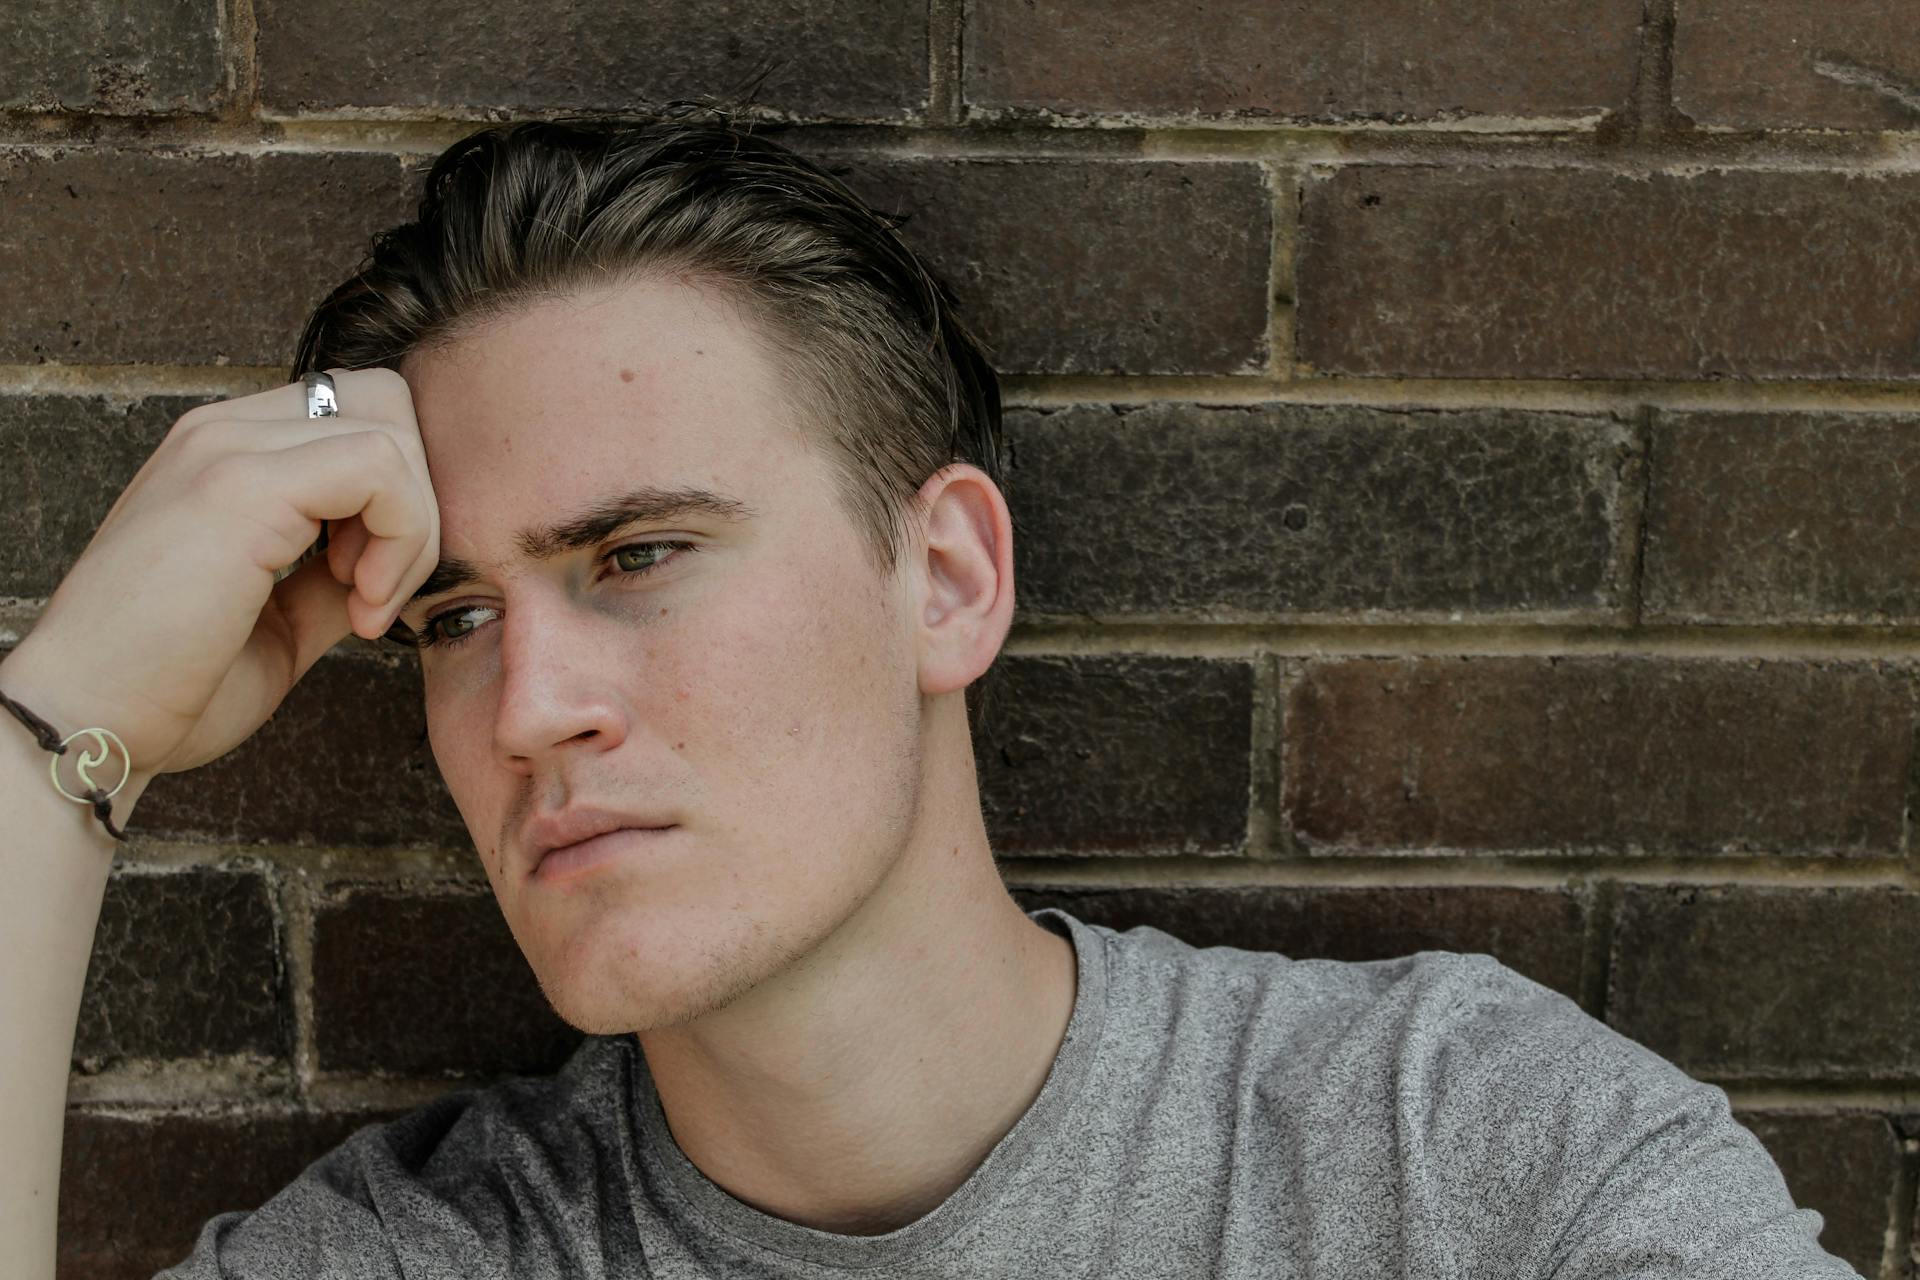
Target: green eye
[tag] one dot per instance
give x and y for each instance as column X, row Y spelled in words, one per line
column 652, row 553
column 641, row 558
column 454, row 624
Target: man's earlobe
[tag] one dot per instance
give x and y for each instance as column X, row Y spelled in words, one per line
column 968, row 599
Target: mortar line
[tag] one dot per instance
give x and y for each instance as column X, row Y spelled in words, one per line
column 1902, row 1208
column 1596, row 959
column 1263, row 750
column 1882, row 1097
column 1332, row 640
column 1047, row 391
column 1913, row 769
column 1642, row 517
column 383, row 868
column 1439, row 868
column 297, row 909
column 946, row 62
column 1654, row 113
column 1283, row 208
column 1584, row 141
column 244, row 106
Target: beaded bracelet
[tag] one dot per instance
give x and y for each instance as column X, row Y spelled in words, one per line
column 49, row 737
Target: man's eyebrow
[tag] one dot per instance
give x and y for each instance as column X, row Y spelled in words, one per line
column 594, row 522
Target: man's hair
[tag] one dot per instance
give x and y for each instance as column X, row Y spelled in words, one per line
column 884, row 372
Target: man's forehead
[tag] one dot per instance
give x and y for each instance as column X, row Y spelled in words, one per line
column 643, row 375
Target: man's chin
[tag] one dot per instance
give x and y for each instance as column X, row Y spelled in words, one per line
column 610, row 981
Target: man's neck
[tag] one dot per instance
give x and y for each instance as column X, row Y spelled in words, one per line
column 856, row 1090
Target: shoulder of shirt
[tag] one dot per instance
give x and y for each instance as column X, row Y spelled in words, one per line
column 523, row 1120
column 442, row 1181
column 1468, row 1011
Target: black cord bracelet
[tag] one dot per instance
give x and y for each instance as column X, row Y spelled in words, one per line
column 49, row 737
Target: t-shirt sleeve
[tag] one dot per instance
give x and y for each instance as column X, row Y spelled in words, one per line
column 1580, row 1154
column 321, row 1224
column 363, row 1211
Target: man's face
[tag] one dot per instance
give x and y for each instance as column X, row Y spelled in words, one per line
column 755, row 688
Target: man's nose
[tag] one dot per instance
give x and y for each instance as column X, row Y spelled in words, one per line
column 559, row 681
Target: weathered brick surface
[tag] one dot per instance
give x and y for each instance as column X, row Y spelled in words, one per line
column 1537, row 932
column 204, row 259
column 1843, row 1164
column 1298, row 510
column 1758, row 982
column 344, row 760
column 111, row 58
column 1398, row 60
column 1068, row 266
column 63, row 462
column 135, row 1190
column 1575, row 273
column 185, row 965
column 1124, row 755
column 197, row 259
column 860, row 59
column 1598, row 754
column 1755, row 64
column 427, row 985
column 1767, row 518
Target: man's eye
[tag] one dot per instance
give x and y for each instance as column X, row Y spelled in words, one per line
column 652, row 553
column 452, row 626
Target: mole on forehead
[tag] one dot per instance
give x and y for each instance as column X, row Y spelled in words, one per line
column 592, row 523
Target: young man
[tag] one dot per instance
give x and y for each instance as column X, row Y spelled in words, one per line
column 687, row 490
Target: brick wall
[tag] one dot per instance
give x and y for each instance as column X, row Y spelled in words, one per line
column 1465, row 463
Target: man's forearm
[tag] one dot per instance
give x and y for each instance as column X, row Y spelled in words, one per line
column 55, row 856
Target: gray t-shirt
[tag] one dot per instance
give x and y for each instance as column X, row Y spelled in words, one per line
column 1211, row 1112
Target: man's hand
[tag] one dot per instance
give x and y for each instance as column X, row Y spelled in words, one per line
column 170, row 630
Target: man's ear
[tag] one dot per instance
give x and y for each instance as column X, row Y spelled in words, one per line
column 967, row 604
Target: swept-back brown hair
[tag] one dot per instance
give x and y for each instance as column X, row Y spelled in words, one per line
column 882, row 369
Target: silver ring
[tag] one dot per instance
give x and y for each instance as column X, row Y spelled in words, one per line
column 322, row 400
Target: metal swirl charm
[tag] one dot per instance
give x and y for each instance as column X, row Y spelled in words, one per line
column 88, row 760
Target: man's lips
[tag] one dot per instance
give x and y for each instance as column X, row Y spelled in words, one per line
column 554, row 832
column 581, row 857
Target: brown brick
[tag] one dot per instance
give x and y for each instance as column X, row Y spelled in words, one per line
column 90, row 238
column 1101, row 283
column 1313, row 511
column 1753, row 64
column 1789, row 517
column 1537, row 932
column 135, row 1190
column 1398, row 60
column 158, row 257
column 427, row 985
column 63, row 462
column 857, row 59
column 1759, row 982
column 1575, row 273
column 111, row 58
column 1598, row 755
column 1846, row 1165
column 1116, row 755
column 344, row 760
column 186, row 964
